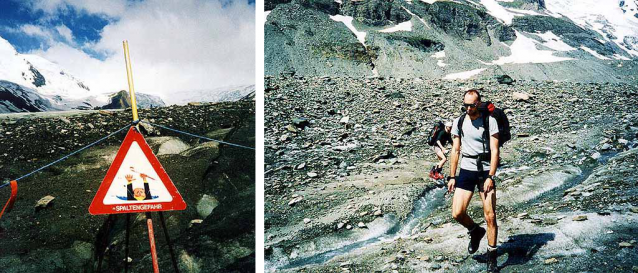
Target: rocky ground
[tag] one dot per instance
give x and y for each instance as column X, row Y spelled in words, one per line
column 215, row 233
column 346, row 186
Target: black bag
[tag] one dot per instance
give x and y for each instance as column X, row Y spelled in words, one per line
column 488, row 109
column 438, row 127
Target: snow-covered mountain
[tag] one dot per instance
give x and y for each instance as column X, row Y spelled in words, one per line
column 40, row 77
column 579, row 40
column 227, row 93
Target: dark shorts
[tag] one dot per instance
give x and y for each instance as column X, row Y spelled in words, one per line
column 468, row 180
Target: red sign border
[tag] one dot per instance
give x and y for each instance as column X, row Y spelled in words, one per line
column 98, row 207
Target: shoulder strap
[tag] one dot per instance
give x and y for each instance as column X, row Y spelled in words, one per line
column 460, row 125
column 486, row 132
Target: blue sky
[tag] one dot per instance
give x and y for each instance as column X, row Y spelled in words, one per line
column 85, row 27
column 185, row 41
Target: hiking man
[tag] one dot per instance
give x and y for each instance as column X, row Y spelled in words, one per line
column 442, row 138
column 480, row 152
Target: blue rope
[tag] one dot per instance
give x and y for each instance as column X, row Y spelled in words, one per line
column 182, row 132
column 67, row 156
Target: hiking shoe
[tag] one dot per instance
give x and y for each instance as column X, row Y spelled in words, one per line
column 492, row 264
column 439, row 176
column 475, row 239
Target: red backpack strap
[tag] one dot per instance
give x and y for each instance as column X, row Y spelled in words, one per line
column 490, row 107
column 9, row 205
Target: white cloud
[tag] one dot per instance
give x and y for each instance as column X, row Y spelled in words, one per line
column 174, row 45
column 112, row 8
column 33, row 30
column 65, row 32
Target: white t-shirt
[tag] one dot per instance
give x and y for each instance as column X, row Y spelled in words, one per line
column 472, row 140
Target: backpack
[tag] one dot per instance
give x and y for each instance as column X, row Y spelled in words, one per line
column 488, row 109
column 434, row 132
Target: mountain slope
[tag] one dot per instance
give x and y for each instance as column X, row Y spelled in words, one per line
column 528, row 39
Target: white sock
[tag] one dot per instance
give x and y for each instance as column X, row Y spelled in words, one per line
column 491, row 248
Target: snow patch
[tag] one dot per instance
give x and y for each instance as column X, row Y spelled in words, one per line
column 620, row 57
column 524, row 51
column 438, row 55
column 499, row 12
column 414, row 15
column 604, row 17
column 405, row 26
column 554, row 42
column 266, row 15
column 592, row 52
column 523, row 11
column 441, row 63
column 347, row 20
column 463, row 75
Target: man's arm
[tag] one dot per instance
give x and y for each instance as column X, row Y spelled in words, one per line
column 454, row 160
column 494, row 150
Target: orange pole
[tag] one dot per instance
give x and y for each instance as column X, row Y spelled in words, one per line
column 151, row 238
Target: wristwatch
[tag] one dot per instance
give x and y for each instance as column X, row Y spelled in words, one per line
column 450, row 178
column 491, row 177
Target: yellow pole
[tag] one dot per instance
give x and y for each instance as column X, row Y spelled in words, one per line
column 129, row 74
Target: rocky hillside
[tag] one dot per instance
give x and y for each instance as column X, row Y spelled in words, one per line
column 214, row 234
column 122, row 100
column 346, row 185
column 527, row 39
column 227, row 93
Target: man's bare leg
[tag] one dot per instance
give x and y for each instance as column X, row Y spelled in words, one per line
column 489, row 210
column 442, row 158
column 460, row 201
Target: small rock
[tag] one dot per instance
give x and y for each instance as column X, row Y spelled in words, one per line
column 435, row 266
column 425, row 258
column 195, row 222
column 300, row 166
column 300, row 123
column 291, row 128
column 519, row 96
column 349, row 227
column 340, row 225
column 596, row 155
column 306, row 220
column 378, row 213
column 206, row 205
column 634, row 209
column 522, row 215
column 44, row 202
column 344, row 120
column 605, row 147
column 625, row 244
column 579, row 218
column 295, row 200
column 362, row 225
column 551, row 261
column 312, row 174
column 284, row 138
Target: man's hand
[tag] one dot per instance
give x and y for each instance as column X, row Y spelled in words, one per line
column 129, row 178
column 488, row 185
column 450, row 185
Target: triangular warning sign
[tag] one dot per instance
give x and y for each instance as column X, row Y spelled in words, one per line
column 136, row 182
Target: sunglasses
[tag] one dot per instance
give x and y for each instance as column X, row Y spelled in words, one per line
column 467, row 105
